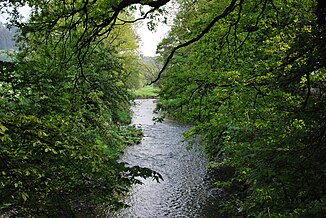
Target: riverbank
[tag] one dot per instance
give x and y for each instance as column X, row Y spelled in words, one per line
column 146, row 92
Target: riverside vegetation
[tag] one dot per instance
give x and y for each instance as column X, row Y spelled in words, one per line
column 146, row 92
column 249, row 75
column 64, row 124
column 254, row 89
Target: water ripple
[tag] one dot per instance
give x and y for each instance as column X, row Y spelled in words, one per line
column 183, row 193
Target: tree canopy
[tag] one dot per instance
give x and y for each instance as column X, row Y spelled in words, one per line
column 253, row 87
column 248, row 75
column 64, row 111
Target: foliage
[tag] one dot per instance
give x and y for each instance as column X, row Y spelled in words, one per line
column 250, row 76
column 150, row 67
column 62, row 122
column 131, row 134
column 254, row 89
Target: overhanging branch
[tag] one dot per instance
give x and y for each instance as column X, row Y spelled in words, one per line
column 225, row 13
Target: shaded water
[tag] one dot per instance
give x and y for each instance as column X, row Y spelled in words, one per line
column 184, row 192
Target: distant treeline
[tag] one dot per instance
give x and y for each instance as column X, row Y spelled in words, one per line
column 6, row 37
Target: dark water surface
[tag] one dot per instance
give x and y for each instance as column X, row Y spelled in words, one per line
column 184, row 192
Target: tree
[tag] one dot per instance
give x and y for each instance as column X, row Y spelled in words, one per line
column 253, row 88
column 62, row 118
column 248, row 74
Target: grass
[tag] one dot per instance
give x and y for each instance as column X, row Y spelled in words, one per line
column 147, row 92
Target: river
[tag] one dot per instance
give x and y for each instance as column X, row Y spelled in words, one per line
column 184, row 191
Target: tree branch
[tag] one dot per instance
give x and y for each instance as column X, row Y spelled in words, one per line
column 225, row 13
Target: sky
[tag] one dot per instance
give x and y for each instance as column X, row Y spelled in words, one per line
column 24, row 11
column 150, row 39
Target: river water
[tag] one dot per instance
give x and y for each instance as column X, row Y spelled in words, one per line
column 184, row 192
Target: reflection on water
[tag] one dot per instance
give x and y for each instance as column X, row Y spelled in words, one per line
column 183, row 193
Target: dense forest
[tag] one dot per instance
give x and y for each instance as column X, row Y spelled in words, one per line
column 247, row 75
column 64, row 115
column 253, row 87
